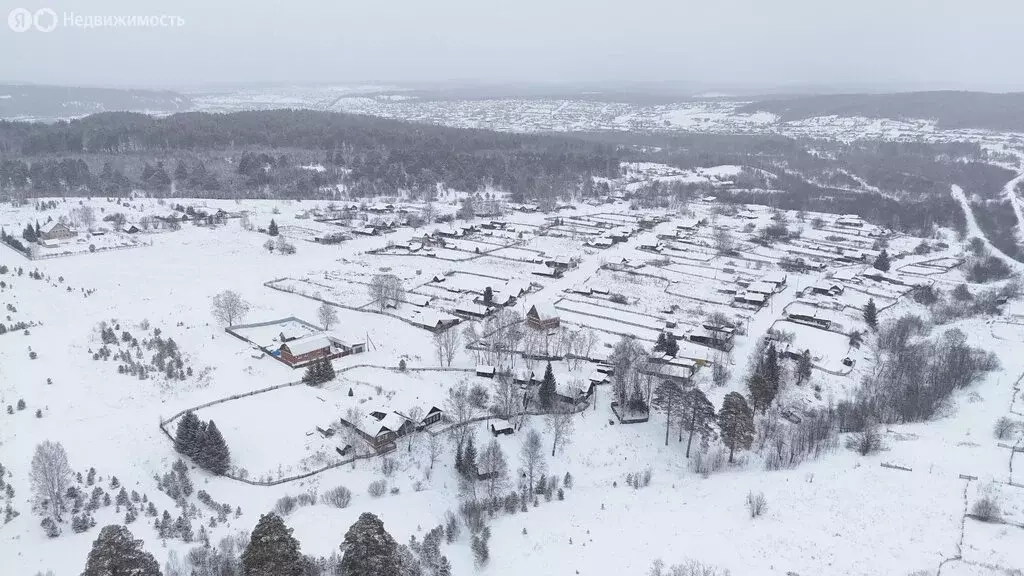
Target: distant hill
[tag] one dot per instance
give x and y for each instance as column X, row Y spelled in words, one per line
column 950, row 109
column 47, row 103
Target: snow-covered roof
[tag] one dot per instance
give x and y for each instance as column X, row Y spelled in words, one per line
column 761, row 287
column 545, row 311
column 775, row 277
column 500, row 424
column 308, row 344
column 49, row 226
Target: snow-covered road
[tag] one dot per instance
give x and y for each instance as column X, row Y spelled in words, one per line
column 973, row 230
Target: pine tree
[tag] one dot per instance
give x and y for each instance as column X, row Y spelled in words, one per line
column 272, row 229
column 882, row 262
column 186, row 439
column 214, row 454
column 488, row 295
column 667, row 396
column 369, row 549
column 697, row 416
column 736, row 421
column 272, row 550
column 547, row 388
column 871, row 314
column 116, row 553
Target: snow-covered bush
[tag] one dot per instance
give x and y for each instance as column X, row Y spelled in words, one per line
column 708, row 462
column 339, row 497
column 756, row 503
column 377, row 488
column 986, row 509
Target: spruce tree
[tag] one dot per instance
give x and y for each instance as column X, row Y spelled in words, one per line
column 116, row 553
column 547, row 388
column 882, row 262
column 186, row 439
column 272, row 229
column 871, row 314
column 272, row 550
column 469, row 459
column 327, row 372
column 215, row 456
column 369, row 549
column 659, row 345
column 313, row 373
column 671, row 346
column 736, row 421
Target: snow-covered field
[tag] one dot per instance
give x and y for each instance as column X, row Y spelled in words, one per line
column 840, row 514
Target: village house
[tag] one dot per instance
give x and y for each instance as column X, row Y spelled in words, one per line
column 561, row 263
column 297, row 352
column 56, row 230
column 501, row 427
column 432, row 320
column 543, row 316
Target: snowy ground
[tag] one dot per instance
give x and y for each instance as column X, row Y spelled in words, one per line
column 843, row 514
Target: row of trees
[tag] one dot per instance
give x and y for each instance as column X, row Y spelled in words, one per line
column 271, row 550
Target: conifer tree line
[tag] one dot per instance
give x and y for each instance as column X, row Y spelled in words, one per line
column 272, row 550
column 203, row 443
column 320, row 371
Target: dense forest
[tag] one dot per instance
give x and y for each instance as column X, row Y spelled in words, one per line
column 951, row 109
column 370, row 156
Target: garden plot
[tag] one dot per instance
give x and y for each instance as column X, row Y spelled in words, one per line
column 392, row 390
column 273, row 434
column 87, row 244
column 267, row 335
column 857, row 297
column 347, row 294
column 612, row 313
column 553, row 246
column 610, row 326
column 520, row 254
column 827, row 348
column 688, row 252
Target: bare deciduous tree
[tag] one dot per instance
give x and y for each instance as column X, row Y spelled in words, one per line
column 493, row 468
column 328, row 315
column 559, row 425
column 229, row 308
column 446, row 344
column 387, row 290
column 51, row 476
column 433, row 449
column 461, row 411
column 415, row 415
column 531, row 455
column 507, row 397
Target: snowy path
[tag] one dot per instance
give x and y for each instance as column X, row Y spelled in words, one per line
column 974, row 230
column 1009, row 191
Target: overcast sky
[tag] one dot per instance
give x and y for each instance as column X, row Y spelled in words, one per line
column 909, row 43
